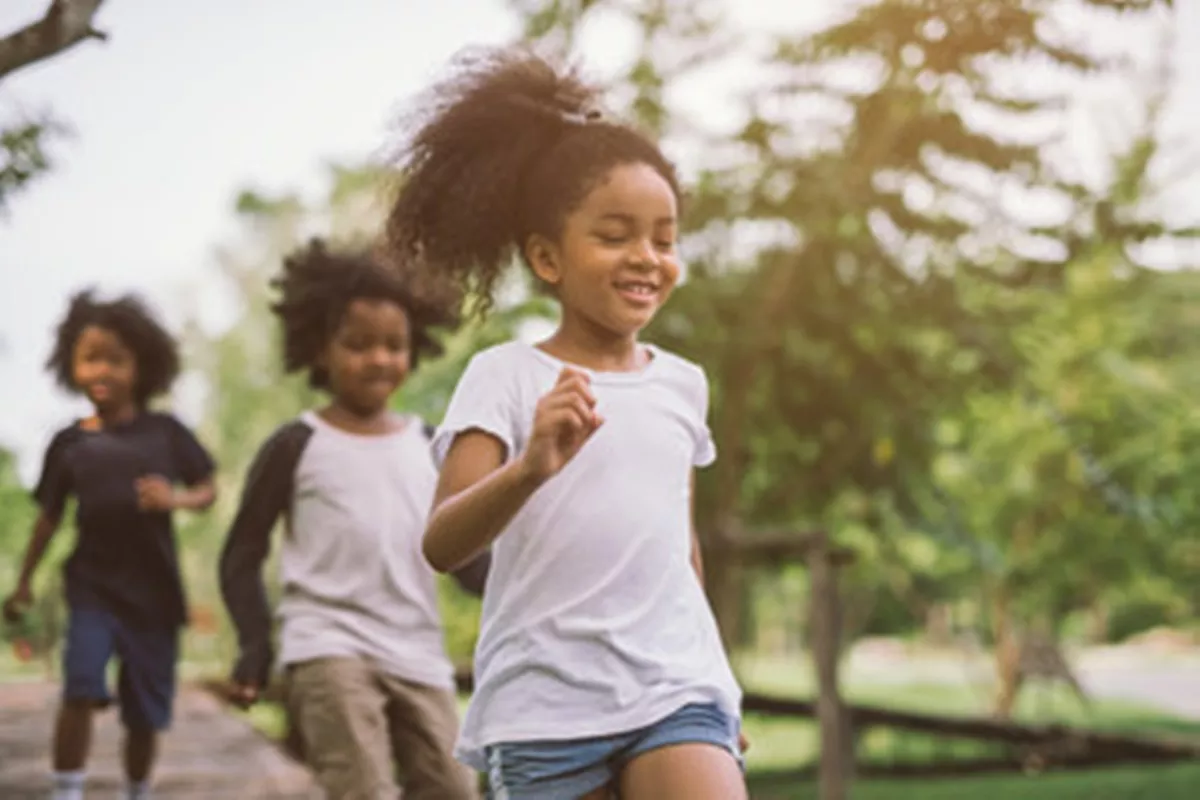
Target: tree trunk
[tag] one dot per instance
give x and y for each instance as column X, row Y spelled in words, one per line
column 723, row 575
column 1098, row 622
column 938, row 624
column 1008, row 654
column 837, row 748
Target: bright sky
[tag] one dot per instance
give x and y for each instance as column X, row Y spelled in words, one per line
column 187, row 103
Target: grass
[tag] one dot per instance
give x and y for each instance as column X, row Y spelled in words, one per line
column 780, row 747
column 1176, row 782
column 785, row 744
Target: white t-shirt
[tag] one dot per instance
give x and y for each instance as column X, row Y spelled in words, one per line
column 594, row 622
column 354, row 579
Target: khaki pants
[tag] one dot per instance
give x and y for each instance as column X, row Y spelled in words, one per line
column 357, row 723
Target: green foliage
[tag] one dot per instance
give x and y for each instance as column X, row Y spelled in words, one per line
column 17, row 515
column 23, row 154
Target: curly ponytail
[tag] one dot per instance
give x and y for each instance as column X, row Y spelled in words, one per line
column 503, row 148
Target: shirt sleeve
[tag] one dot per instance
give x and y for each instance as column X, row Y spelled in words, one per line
column 54, row 484
column 266, row 495
column 484, row 400
column 195, row 463
column 706, row 450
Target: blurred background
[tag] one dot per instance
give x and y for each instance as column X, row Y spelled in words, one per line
column 940, row 271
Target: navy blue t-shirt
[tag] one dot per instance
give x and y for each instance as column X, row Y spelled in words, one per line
column 124, row 559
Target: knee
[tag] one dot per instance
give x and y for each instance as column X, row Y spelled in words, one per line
column 79, row 706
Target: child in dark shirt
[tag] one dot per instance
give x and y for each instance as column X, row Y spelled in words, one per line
column 369, row 682
column 128, row 468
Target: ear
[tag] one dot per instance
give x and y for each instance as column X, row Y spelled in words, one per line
column 544, row 258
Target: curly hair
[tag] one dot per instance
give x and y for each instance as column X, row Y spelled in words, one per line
column 505, row 147
column 318, row 285
column 130, row 319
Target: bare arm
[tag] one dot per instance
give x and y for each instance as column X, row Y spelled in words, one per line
column 196, row 498
column 16, row 603
column 477, row 496
column 43, row 531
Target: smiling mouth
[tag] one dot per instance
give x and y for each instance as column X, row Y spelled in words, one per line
column 637, row 290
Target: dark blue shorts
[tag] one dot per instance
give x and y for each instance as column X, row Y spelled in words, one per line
column 147, row 656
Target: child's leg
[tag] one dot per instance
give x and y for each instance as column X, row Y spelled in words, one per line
column 689, row 755
column 89, row 646
column 141, row 746
column 339, row 709
column 424, row 725
column 683, row 772
column 72, row 735
column 146, row 691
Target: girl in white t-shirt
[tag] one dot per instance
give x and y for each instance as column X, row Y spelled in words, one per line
column 599, row 667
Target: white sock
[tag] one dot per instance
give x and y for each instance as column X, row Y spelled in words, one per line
column 68, row 785
column 139, row 791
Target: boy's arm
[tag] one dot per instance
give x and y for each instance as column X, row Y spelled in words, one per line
column 51, row 493
column 43, row 531
column 196, row 468
column 266, row 495
column 197, row 497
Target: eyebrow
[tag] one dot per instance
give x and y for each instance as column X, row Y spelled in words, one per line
column 629, row 219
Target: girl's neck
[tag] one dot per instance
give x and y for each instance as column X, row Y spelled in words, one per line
column 109, row 417
column 376, row 423
column 594, row 349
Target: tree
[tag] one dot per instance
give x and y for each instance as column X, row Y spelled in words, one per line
column 65, row 24
column 838, row 248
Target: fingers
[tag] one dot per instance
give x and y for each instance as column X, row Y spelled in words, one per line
column 153, row 491
column 151, row 482
column 572, row 400
column 572, row 381
column 14, row 609
column 571, row 410
column 244, row 695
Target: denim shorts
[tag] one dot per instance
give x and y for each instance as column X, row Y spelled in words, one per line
column 147, row 655
column 564, row 770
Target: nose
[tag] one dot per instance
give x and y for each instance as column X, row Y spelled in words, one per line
column 644, row 256
column 380, row 356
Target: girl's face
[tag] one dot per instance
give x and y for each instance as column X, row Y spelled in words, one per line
column 367, row 357
column 104, row 368
column 616, row 263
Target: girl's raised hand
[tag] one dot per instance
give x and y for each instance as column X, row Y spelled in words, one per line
column 564, row 420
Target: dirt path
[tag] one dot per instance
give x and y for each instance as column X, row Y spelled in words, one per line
column 208, row 755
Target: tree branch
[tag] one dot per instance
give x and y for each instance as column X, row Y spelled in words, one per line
column 65, row 24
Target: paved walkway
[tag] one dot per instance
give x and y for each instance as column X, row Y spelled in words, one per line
column 209, row 754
